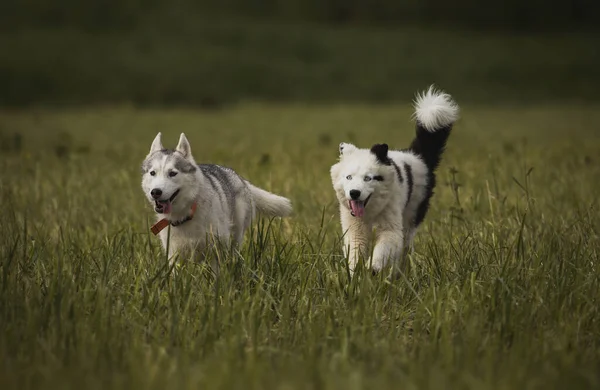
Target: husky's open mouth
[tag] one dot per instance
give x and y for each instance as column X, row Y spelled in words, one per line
column 357, row 207
column 164, row 206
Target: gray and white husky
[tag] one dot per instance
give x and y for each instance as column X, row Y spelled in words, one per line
column 201, row 200
column 390, row 190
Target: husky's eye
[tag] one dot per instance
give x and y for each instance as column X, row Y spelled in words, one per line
column 152, row 173
column 349, row 177
column 172, row 173
column 367, row 178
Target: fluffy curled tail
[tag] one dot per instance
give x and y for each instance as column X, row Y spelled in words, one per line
column 435, row 114
column 270, row 204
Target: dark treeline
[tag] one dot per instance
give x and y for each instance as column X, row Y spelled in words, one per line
column 212, row 53
column 540, row 15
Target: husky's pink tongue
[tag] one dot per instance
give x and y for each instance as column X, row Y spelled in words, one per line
column 166, row 208
column 358, row 208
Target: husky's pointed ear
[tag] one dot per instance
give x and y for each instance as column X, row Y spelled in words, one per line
column 346, row 148
column 381, row 152
column 184, row 147
column 156, row 144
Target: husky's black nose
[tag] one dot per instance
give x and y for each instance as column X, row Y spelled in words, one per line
column 156, row 193
column 354, row 194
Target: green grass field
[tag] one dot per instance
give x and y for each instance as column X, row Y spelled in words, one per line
column 502, row 292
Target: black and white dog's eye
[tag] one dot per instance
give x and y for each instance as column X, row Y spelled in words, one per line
column 172, row 173
column 152, row 173
column 367, row 178
column 349, row 177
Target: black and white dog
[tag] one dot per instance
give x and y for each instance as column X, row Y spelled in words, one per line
column 390, row 190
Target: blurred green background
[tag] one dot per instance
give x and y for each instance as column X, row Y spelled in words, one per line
column 213, row 53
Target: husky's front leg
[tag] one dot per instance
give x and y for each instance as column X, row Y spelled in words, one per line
column 388, row 248
column 356, row 238
column 179, row 254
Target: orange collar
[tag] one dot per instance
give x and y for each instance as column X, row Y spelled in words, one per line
column 163, row 223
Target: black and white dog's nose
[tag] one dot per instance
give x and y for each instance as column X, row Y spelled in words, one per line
column 156, row 193
column 354, row 194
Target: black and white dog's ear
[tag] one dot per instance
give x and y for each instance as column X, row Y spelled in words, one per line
column 184, row 147
column 346, row 148
column 156, row 144
column 381, row 152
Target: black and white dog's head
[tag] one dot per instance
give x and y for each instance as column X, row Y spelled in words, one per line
column 362, row 178
column 169, row 176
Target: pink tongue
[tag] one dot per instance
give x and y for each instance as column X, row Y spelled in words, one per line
column 166, row 208
column 358, row 208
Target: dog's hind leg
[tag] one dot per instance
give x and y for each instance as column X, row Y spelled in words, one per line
column 242, row 218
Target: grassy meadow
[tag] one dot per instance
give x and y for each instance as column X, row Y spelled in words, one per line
column 502, row 291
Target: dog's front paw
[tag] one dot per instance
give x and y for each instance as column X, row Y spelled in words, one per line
column 375, row 265
column 390, row 271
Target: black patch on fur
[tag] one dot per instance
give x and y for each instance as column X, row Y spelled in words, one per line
column 378, row 178
column 381, row 152
column 424, row 206
column 398, row 173
column 409, row 181
column 429, row 146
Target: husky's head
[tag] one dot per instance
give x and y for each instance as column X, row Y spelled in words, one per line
column 361, row 179
column 168, row 176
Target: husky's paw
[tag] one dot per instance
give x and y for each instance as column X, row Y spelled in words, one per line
column 390, row 272
column 376, row 265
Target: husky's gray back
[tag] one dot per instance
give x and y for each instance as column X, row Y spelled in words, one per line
column 225, row 182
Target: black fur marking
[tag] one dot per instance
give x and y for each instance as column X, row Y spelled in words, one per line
column 429, row 146
column 378, row 178
column 409, row 181
column 424, row 206
column 381, row 152
column 398, row 173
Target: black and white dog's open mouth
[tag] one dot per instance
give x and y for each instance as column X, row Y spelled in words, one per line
column 357, row 207
column 164, row 206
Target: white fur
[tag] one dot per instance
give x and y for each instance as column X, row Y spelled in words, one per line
column 435, row 109
column 215, row 218
column 388, row 212
column 385, row 210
